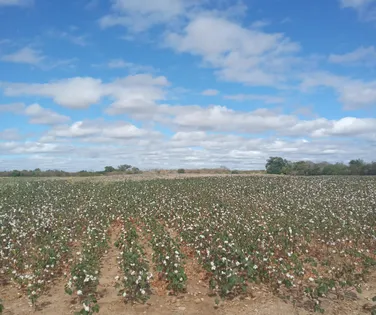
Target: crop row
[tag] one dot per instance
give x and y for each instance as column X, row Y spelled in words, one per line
column 136, row 275
column 305, row 238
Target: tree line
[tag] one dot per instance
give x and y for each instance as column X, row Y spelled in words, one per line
column 108, row 170
column 279, row 165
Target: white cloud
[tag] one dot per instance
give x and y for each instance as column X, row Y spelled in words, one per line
column 241, row 55
column 100, row 131
column 81, row 92
column 133, row 68
column 80, row 40
column 260, row 24
column 43, row 116
column 118, row 63
column 361, row 56
column 349, row 126
column 136, row 94
column 31, row 56
column 140, row 15
column 184, row 149
column 196, row 120
column 31, row 147
column 36, row 113
column 77, row 129
column 210, row 92
column 220, row 118
column 25, row 55
column 355, row 4
column 12, row 108
column 16, row 2
column 365, row 8
column 254, row 97
column 10, row 134
column 353, row 94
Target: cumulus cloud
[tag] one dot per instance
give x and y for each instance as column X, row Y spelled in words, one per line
column 349, row 126
column 132, row 92
column 136, row 94
column 140, row 15
column 10, row 134
column 32, row 147
column 353, row 94
column 118, row 63
column 239, row 54
column 12, row 108
column 99, row 131
column 221, row 118
column 43, row 116
column 365, row 8
column 210, row 92
column 268, row 99
column 79, row 92
column 355, row 4
column 36, row 113
column 362, row 56
column 20, row 3
column 184, row 149
column 24, row 55
column 80, row 40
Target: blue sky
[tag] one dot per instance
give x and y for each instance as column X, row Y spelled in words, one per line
column 185, row 83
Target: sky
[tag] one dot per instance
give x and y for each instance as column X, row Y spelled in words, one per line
column 185, row 83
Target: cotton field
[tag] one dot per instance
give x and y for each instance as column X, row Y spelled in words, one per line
column 307, row 239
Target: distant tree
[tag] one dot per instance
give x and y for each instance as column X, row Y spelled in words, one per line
column 135, row 170
column 16, row 173
column 275, row 165
column 303, row 168
column 109, row 169
column 181, row 171
column 37, row 172
column 370, row 168
column 336, row 169
column 357, row 167
column 124, row 167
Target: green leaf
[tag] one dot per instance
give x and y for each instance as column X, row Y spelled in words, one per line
column 68, row 291
column 95, row 308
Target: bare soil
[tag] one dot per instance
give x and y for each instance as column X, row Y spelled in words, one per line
column 195, row 301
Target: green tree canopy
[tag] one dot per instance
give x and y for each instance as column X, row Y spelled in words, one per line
column 109, row 169
column 124, row 167
column 275, row 165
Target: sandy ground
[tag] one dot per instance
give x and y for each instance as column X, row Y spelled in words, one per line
column 194, row 302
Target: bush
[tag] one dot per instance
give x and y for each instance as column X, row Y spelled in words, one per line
column 235, row 172
column 181, row 171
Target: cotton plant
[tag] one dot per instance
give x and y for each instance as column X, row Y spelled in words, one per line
column 168, row 258
column 311, row 238
column 134, row 285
